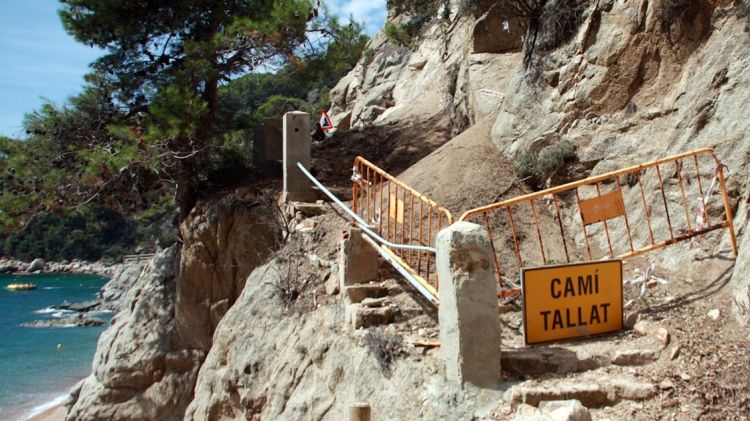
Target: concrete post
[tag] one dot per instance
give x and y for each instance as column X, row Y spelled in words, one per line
column 468, row 314
column 360, row 412
column 297, row 144
column 358, row 262
column 268, row 141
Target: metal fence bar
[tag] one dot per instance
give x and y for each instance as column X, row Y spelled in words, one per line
column 607, row 218
column 562, row 229
column 390, row 208
column 729, row 223
column 646, row 211
column 627, row 223
column 664, row 199
column 381, row 245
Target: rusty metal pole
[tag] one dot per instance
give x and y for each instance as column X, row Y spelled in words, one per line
column 729, row 223
column 360, row 412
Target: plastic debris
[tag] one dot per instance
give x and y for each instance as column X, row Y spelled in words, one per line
column 647, row 279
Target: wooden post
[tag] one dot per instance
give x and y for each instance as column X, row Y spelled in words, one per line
column 360, row 412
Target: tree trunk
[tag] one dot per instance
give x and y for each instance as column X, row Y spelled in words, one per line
column 188, row 181
column 187, row 186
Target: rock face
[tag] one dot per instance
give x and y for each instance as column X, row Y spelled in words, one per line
column 445, row 74
column 495, row 33
column 741, row 283
column 269, row 364
column 630, row 83
column 630, row 87
column 147, row 361
column 625, row 87
column 141, row 370
column 223, row 242
column 113, row 292
column 111, row 296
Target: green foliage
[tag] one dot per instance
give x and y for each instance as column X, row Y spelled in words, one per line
column 419, row 12
column 526, row 165
column 90, row 234
column 398, row 33
column 163, row 110
column 175, row 113
column 166, row 60
column 536, row 169
column 418, row 7
column 160, row 209
column 305, row 83
column 277, row 105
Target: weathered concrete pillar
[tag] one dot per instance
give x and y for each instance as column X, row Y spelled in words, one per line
column 358, row 262
column 268, row 141
column 358, row 267
column 297, row 143
column 469, row 322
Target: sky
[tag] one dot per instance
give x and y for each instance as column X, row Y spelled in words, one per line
column 39, row 60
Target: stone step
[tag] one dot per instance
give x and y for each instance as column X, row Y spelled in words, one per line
column 361, row 316
column 558, row 360
column 360, row 292
column 592, row 393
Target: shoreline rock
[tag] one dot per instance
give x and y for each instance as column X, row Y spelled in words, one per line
column 73, row 321
column 82, row 267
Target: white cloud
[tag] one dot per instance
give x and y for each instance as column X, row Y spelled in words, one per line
column 371, row 12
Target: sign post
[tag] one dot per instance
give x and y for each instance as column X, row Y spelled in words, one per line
column 571, row 301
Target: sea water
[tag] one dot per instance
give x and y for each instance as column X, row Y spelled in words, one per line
column 39, row 365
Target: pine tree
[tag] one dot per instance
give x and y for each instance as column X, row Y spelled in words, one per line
column 165, row 61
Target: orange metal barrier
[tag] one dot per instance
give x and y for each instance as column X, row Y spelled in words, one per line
column 400, row 215
column 613, row 214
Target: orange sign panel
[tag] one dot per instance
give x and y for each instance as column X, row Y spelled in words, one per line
column 571, row 301
column 603, row 207
column 396, row 209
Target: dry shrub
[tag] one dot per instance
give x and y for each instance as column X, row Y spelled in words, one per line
column 385, row 347
column 537, row 168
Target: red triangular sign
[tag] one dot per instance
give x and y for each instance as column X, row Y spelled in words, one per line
column 325, row 121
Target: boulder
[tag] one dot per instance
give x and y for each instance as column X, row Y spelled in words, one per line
column 8, row 269
column 35, row 265
column 81, row 307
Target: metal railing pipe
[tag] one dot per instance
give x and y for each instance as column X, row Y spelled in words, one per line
column 372, row 236
column 362, row 224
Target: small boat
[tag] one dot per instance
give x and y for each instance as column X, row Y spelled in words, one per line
column 21, row 287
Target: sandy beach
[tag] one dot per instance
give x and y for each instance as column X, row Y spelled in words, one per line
column 56, row 413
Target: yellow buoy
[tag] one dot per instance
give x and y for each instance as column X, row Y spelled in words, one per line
column 59, row 347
